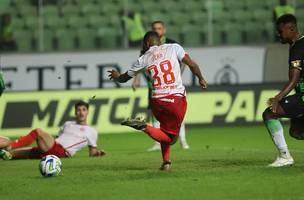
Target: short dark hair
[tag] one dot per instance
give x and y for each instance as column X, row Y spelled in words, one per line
column 285, row 19
column 158, row 22
column 81, row 103
column 149, row 35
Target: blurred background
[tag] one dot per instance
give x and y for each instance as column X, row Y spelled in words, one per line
column 65, row 45
column 76, row 25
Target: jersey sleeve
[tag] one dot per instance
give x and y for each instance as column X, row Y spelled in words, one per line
column 92, row 138
column 296, row 59
column 180, row 52
column 137, row 67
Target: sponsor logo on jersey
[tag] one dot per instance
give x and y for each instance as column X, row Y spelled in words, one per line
column 296, row 63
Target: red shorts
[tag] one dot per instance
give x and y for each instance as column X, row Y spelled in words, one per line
column 170, row 112
column 56, row 150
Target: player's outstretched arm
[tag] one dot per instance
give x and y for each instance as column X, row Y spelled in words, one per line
column 136, row 82
column 94, row 152
column 116, row 76
column 195, row 70
column 294, row 76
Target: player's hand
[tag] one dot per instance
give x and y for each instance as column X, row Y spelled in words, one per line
column 203, row 83
column 273, row 104
column 113, row 74
column 135, row 84
column 99, row 153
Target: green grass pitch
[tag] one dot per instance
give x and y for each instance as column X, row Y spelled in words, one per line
column 222, row 163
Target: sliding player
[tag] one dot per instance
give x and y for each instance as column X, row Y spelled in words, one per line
column 168, row 94
column 291, row 106
column 73, row 136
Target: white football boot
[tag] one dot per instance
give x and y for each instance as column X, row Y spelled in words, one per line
column 281, row 161
column 184, row 145
column 156, row 147
column 166, row 166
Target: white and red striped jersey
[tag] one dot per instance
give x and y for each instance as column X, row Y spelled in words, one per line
column 163, row 66
column 73, row 137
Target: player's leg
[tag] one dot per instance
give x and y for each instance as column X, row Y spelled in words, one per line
column 4, row 142
column 275, row 129
column 155, row 147
column 165, row 148
column 156, row 124
column 171, row 116
column 27, row 153
column 20, row 142
column 182, row 137
column 24, row 140
column 20, row 153
column 297, row 128
column 157, row 134
column 44, row 140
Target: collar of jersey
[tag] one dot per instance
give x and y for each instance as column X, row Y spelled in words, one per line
column 301, row 37
column 154, row 46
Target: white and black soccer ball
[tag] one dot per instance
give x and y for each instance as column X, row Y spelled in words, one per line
column 50, row 165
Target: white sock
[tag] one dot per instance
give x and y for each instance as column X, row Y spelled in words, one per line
column 156, row 144
column 275, row 129
column 155, row 122
column 182, row 134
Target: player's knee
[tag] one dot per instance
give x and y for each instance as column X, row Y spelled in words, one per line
column 4, row 142
column 40, row 132
column 267, row 114
column 174, row 140
column 295, row 133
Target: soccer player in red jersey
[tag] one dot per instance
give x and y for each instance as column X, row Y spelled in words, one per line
column 168, row 102
column 73, row 136
column 160, row 28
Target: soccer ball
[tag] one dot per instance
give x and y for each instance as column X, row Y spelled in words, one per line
column 50, row 165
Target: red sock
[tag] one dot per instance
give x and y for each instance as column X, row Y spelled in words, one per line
column 25, row 140
column 157, row 134
column 165, row 147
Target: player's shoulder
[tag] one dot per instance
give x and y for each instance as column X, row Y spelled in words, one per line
column 172, row 45
column 301, row 42
column 69, row 123
column 91, row 129
column 298, row 47
column 170, row 41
